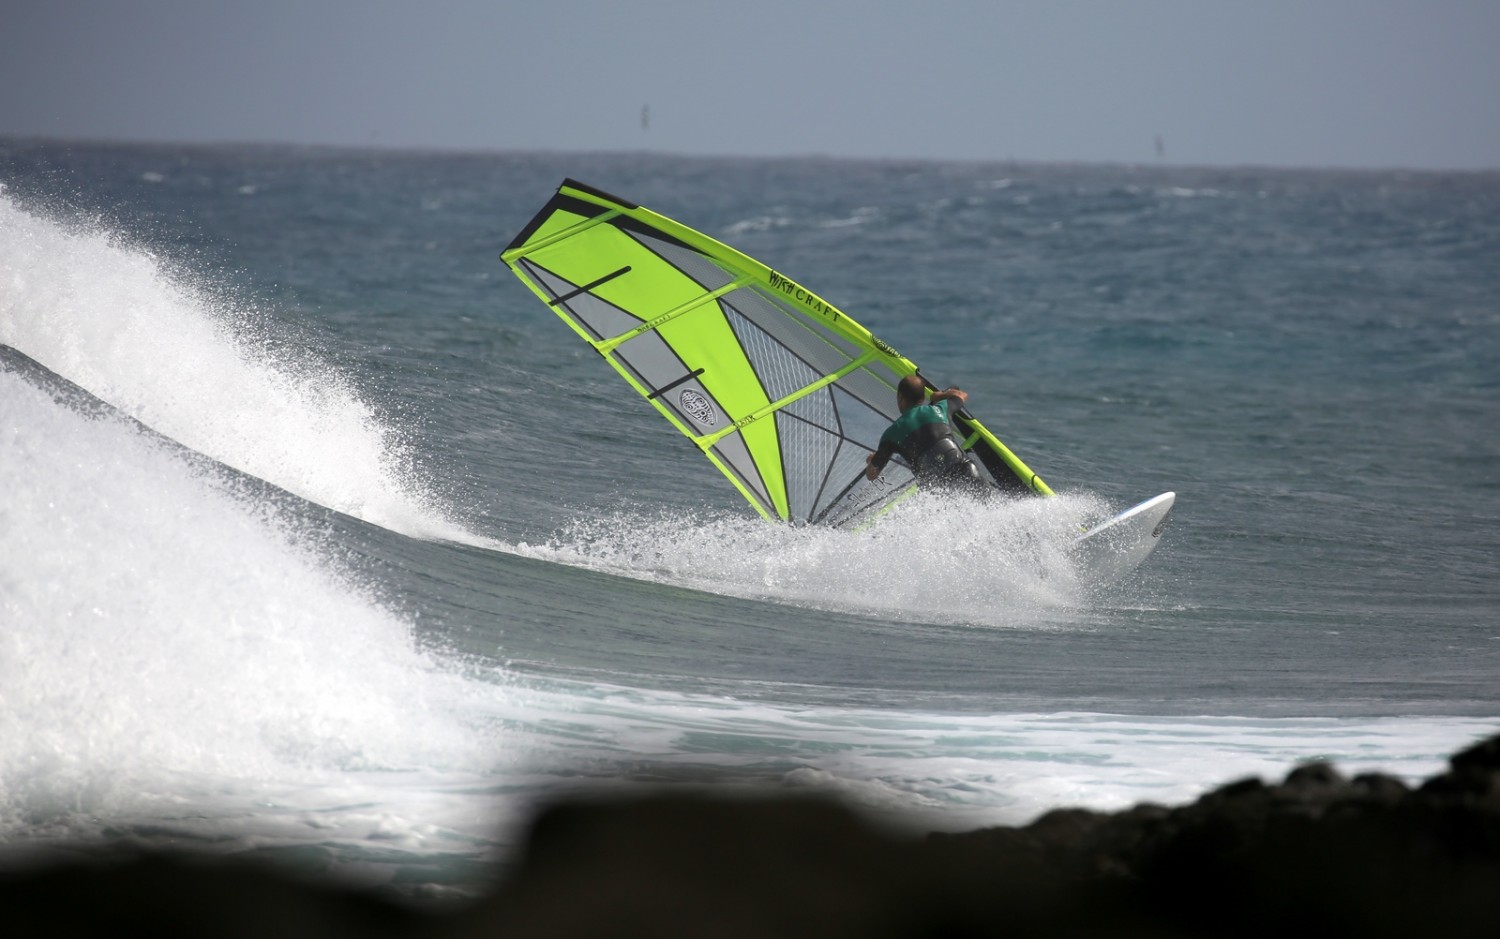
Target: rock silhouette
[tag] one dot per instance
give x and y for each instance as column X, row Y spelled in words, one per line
column 1367, row 856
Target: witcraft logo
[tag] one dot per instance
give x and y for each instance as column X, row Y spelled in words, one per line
column 793, row 289
column 698, row 408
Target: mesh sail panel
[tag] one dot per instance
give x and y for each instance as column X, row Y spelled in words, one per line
column 823, row 348
column 780, row 371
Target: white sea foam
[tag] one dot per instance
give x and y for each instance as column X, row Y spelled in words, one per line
column 121, row 323
column 759, row 223
column 167, row 647
column 177, row 660
column 958, row 771
column 931, row 558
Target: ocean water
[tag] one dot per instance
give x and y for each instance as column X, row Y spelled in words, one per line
column 322, row 540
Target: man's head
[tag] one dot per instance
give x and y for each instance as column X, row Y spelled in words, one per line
column 910, row 392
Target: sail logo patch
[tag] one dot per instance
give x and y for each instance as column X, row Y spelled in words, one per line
column 698, row 408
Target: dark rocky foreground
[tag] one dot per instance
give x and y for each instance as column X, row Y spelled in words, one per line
column 1319, row 853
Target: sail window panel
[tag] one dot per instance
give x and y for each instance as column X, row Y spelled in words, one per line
column 807, row 452
column 781, row 373
column 848, row 493
column 822, row 348
column 860, row 422
column 870, row 392
column 817, row 409
column 847, row 466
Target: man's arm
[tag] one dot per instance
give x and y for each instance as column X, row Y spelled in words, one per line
column 875, row 462
column 954, row 393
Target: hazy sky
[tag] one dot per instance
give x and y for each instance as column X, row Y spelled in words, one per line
column 1383, row 83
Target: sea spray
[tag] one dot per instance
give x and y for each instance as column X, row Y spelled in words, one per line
column 152, row 341
column 158, row 629
column 932, row 558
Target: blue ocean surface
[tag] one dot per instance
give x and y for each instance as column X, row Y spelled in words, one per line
column 321, row 539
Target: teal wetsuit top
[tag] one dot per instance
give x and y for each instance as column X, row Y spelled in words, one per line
column 911, row 420
column 922, row 435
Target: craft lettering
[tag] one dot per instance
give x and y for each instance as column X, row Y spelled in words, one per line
column 792, row 289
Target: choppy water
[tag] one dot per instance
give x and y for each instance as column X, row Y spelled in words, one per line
column 322, row 539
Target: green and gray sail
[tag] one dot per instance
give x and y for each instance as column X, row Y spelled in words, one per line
column 781, row 390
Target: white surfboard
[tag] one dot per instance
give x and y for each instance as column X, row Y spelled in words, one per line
column 1118, row 545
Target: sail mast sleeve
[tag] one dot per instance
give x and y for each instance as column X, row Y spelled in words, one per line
column 1003, row 464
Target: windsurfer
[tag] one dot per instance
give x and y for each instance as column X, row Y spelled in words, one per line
column 924, row 437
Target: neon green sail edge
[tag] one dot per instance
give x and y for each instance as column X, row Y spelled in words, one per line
column 676, row 300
